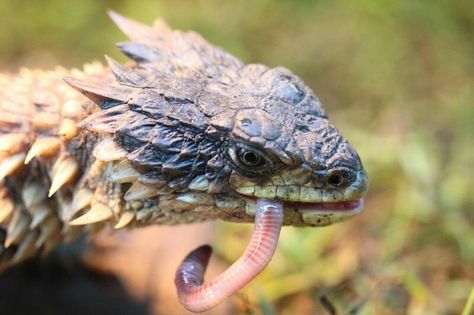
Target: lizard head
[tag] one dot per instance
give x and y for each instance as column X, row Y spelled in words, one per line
column 281, row 145
column 189, row 131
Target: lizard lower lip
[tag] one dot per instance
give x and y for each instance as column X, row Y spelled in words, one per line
column 340, row 206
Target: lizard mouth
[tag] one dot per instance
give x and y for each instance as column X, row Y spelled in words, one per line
column 313, row 213
column 326, row 207
column 310, row 206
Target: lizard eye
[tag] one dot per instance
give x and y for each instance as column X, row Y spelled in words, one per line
column 251, row 162
column 250, row 158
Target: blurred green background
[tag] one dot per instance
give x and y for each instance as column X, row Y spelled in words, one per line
column 396, row 78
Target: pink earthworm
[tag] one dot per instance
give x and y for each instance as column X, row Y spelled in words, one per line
column 198, row 297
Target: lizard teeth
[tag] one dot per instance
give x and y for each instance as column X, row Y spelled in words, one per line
column 64, row 170
column 10, row 164
column 123, row 172
column 43, row 146
column 98, row 213
column 107, row 150
column 140, row 191
column 125, row 219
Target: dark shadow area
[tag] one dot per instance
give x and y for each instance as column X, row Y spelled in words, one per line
column 62, row 284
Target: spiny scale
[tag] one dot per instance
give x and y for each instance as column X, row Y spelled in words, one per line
column 38, row 147
column 61, row 168
column 43, row 146
column 107, row 150
column 63, row 171
column 10, row 164
column 98, row 213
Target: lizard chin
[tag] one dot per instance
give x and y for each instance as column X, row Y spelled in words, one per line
column 326, row 213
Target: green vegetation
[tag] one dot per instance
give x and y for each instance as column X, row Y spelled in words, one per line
column 396, row 78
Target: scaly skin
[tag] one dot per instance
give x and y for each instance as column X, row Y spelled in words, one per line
column 184, row 133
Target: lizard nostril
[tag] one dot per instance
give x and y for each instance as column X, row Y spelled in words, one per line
column 341, row 177
column 334, row 180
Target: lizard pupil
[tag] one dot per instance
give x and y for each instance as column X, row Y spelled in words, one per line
column 251, row 159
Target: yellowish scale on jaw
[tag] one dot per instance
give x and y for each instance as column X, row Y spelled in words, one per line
column 266, row 191
column 310, row 194
column 321, row 219
column 289, row 193
column 331, row 196
column 316, row 219
column 296, row 193
column 277, row 180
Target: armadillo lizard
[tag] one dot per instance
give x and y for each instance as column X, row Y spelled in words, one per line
column 185, row 132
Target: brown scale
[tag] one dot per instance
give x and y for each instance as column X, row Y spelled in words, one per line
column 54, row 172
column 152, row 143
column 40, row 159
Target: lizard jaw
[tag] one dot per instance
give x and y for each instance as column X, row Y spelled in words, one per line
column 311, row 206
column 314, row 213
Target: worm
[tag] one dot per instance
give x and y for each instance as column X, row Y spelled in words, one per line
column 198, row 297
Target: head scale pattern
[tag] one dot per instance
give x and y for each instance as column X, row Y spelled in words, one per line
column 183, row 103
